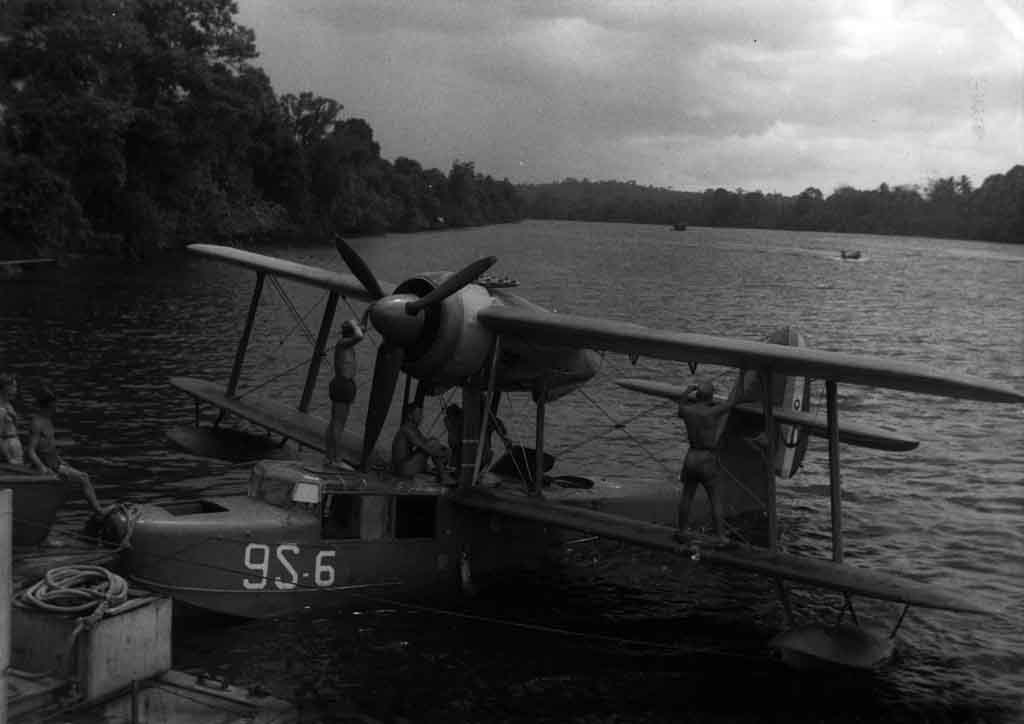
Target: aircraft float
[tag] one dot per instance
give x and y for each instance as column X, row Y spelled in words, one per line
column 306, row 534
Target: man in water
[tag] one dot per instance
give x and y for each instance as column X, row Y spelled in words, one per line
column 705, row 422
column 42, row 448
column 342, row 389
column 10, row 444
column 411, row 449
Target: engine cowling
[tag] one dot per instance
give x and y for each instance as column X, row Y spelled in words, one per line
column 452, row 344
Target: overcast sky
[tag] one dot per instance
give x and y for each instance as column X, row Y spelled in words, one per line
column 772, row 95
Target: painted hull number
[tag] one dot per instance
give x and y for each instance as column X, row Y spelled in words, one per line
column 277, row 565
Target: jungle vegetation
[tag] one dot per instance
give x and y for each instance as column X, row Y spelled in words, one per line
column 134, row 125
column 129, row 126
column 946, row 207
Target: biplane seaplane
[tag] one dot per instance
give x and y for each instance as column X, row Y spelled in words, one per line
column 308, row 534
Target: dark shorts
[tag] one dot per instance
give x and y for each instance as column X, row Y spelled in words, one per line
column 342, row 389
column 700, row 466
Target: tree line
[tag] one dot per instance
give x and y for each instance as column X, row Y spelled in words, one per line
column 945, row 207
column 135, row 125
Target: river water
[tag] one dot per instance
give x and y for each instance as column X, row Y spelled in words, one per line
column 613, row 634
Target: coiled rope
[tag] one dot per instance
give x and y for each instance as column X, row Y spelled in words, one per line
column 90, row 591
column 83, row 589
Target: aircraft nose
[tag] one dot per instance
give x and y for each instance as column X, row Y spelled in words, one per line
column 396, row 325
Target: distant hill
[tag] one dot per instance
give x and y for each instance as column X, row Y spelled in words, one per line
column 946, row 207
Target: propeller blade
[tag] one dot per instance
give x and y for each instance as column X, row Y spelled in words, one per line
column 452, row 284
column 358, row 267
column 385, row 377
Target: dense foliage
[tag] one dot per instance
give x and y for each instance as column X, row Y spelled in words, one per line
column 948, row 207
column 131, row 125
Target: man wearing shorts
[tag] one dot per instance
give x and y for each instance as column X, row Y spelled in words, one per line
column 42, row 449
column 411, row 449
column 342, row 389
column 705, row 422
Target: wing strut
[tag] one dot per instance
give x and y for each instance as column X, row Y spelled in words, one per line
column 771, row 433
column 474, row 421
column 767, row 404
column 537, row 484
column 492, row 379
column 318, row 350
column 833, row 471
column 243, row 343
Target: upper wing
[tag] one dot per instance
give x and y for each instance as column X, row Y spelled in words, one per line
column 344, row 284
column 628, row 338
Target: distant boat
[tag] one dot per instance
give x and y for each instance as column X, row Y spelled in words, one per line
column 679, row 227
column 850, row 254
column 20, row 268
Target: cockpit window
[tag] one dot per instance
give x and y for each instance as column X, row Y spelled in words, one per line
column 378, row 517
column 415, row 516
column 341, row 516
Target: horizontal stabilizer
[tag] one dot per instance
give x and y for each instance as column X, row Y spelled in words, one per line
column 344, row 284
column 306, row 429
column 849, row 433
column 633, row 339
column 811, row 571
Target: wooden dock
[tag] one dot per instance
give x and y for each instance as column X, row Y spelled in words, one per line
column 112, row 663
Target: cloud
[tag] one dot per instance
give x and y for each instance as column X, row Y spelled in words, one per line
column 769, row 95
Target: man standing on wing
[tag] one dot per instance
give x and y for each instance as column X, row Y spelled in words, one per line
column 705, row 423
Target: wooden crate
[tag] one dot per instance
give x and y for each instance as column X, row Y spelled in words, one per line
column 129, row 646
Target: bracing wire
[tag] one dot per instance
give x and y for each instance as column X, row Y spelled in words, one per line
column 616, row 425
column 301, row 321
column 274, row 378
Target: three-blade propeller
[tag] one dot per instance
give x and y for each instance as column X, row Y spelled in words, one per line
column 399, row 318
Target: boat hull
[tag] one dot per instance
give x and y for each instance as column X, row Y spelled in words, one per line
column 315, row 538
column 36, row 501
column 258, row 558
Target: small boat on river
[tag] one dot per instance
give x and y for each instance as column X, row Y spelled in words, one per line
column 679, row 226
column 37, row 498
column 850, row 255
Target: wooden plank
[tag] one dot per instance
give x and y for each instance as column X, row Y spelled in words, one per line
column 303, row 427
column 849, row 433
column 815, row 572
column 568, row 330
column 344, row 284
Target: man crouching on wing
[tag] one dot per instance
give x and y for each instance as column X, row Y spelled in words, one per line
column 705, row 423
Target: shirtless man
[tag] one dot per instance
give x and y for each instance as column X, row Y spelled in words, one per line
column 705, row 422
column 411, row 449
column 42, row 449
column 10, row 444
column 343, row 388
